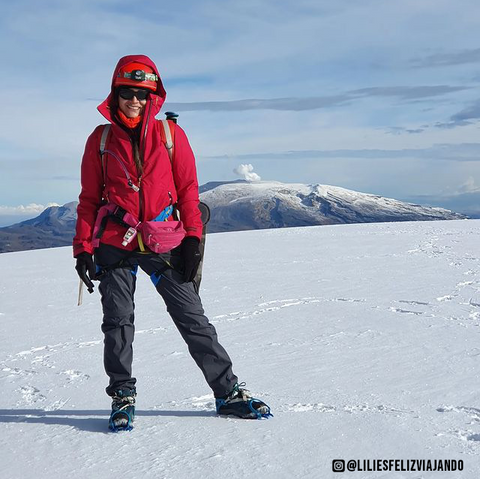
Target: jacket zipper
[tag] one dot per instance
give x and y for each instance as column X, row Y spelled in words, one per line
column 140, row 199
column 142, row 146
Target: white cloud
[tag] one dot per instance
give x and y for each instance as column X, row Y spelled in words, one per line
column 469, row 186
column 28, row 210
column 246, row 172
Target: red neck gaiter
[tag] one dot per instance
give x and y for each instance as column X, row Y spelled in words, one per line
column 129, row 122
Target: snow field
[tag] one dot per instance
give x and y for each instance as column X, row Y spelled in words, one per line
column 364, row 340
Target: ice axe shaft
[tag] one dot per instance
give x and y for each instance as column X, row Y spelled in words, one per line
column 80, row 293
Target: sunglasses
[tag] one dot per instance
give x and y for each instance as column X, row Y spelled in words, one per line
column 128, row 94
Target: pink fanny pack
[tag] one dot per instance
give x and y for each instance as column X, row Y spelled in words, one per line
column 162, row 236
column 158, row 236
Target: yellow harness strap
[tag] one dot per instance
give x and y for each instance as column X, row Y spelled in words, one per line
column 140, row 242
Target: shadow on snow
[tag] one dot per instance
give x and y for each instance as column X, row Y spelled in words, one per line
column 73, row 418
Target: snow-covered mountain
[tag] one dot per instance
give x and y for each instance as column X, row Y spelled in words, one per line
column 53, row 227
column 55, row 217
column 364, row 340
column 243, row 205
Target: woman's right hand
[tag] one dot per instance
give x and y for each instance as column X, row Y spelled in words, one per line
column 86, row 269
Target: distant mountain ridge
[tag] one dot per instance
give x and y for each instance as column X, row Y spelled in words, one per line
column 257, row 205
column 242, row 205
column 54, row 227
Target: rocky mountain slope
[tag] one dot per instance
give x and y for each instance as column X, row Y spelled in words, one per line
column 52, row 228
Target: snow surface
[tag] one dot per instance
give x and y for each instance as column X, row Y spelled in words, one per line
column 364, row 340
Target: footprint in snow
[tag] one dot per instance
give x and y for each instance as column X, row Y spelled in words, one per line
column 418, row 303
column 276, row 305
column 316, row 407
column 467, row 436
column 201, row 402
column 18, row 372
column 472, row 412
column 448, row 297
column 348, row 408
column 405, row 311
column 73, row 375
column 350, row 300
column 473, row 303
column 30, row 395
column 42, row 361
column 87, row 344
column 152, row 331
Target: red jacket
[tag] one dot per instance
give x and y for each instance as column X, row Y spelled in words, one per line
column 160, row 184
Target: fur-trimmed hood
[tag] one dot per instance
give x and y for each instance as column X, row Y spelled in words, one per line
column 156, row 98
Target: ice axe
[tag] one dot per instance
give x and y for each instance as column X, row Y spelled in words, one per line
column 171, row 115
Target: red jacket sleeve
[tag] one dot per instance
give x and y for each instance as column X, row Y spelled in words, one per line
column 90, row 198
column 186, row 183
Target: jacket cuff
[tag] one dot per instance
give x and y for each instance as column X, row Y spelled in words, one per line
column 192, row 238
column 193, row 234
column 82, row 248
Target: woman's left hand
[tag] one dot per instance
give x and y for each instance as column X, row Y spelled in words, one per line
column 191, row 257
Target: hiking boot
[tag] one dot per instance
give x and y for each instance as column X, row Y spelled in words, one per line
column 123, row 410
column 239, row 402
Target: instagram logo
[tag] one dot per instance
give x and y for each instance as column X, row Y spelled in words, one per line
column 338, row 465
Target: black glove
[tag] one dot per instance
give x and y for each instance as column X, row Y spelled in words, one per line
column 85, row 265
column 191, row 257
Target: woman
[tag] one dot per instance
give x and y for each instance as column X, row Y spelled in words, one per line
column 131, row 185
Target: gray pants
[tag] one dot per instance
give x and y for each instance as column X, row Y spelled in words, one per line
column 117, row 288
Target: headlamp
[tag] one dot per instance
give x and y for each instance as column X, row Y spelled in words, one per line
column 140, row 75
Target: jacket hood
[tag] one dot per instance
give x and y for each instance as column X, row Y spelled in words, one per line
column 157, row 98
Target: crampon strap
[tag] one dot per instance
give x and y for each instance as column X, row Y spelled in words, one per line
column 261, row 405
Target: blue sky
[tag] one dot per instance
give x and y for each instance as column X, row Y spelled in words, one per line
column 377, row 96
